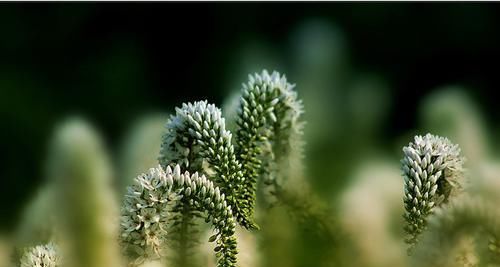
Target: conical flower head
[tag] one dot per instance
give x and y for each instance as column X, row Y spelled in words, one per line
column 432, row 171
column 197, row 129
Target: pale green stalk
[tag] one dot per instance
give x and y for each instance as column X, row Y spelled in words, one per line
column 86, row 204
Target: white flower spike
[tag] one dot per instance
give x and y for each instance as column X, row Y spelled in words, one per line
column 432, row 171
column 147, row 212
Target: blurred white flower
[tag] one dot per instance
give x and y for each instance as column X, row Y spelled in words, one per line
column 371, row 211
column 41, row 256
column 451, row 112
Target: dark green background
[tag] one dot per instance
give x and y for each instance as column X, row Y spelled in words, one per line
column 115, row 61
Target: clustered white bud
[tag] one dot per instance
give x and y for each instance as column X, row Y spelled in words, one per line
column 41, row 256
column 432, row 171
column 145, row 215
column 264, row 93
column 197, row 123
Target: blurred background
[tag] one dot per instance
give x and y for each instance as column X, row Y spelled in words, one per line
column 371, row 75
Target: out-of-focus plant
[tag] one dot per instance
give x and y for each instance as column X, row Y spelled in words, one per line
column 452, row 112
column 140, row 148
column 87, row 210
column 41, row 231
column 464, row 234
column 370, row 212
column 319, row 53
column 41, row 256
column 5, row 251
column 73, row 220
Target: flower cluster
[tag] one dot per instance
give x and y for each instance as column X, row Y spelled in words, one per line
column 432, row 169
column 41, row 256
column 146, row 212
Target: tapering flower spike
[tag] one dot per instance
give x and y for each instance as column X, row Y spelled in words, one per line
column 269, row 123
column 146, row 213
column 432, row 171
column 197, row 135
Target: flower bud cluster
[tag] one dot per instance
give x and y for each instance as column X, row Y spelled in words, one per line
column 432, row 169
column 146, row 212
